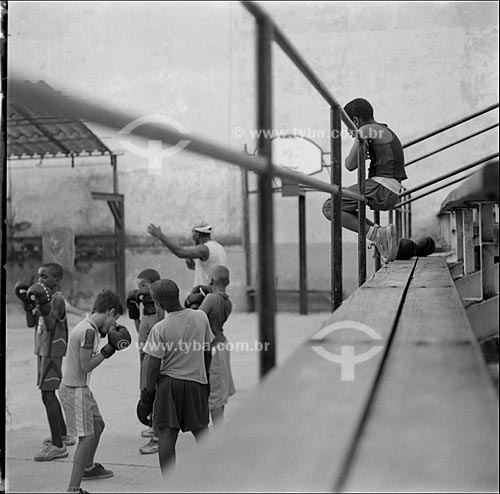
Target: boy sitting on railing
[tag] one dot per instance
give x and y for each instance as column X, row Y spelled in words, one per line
column 383, row 185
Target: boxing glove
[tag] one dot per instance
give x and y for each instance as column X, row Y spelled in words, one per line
column 21, row 291
column 195, row 298
column 406, row 249
column 42, row 297
column 425, row 246
column 118, row 339
column 145, row 407
column 148, row 304
column 133, row 305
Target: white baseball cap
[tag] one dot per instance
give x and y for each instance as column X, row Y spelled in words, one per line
column 202, row 228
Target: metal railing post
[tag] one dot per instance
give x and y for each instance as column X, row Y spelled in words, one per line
column 266, row 293
column 398, row 222
column 404, row 211
column 409, row 218
column 468, row 227
column 377, row 261
column 336, row 223
column 302, row 255
column 459, row 228
column 246, row 241
column 361, row 215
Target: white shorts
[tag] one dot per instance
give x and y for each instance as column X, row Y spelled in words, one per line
column 221, row 377
column 80, row 410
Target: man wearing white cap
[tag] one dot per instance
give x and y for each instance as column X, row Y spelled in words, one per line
column 206, row 253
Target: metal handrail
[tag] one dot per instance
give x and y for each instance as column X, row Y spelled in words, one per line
column 443, row 186
column 450, row 126
column 406, row 204
column 470, row 136
column 280, row 38
column 449, row 174
column 71, row 106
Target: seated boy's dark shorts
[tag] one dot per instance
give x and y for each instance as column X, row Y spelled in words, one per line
column 379, row 198
column 180, row 404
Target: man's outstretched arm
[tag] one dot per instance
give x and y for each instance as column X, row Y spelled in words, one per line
column 191, row 252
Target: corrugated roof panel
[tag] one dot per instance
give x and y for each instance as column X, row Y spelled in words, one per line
column 31, row 133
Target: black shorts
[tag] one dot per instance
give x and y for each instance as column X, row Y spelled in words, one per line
column 49, row 373
column 180, row 404
column 379, row 198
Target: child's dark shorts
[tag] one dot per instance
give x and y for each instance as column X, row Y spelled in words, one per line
column 49, row 373
column 379, row 198
column 180, row 404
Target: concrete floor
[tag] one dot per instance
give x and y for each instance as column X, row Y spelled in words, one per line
column 115, row 386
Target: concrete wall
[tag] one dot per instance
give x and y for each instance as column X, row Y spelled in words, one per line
column 421, row 64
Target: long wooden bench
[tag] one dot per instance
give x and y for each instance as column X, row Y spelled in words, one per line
column 420, row 413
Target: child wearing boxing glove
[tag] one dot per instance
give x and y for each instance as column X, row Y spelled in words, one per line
column 45, row 309
column 151, row 314
column 197, row 295
column 217, row 306
column 80, row 408
column 175, row 392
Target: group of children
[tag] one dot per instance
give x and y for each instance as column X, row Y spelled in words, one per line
column 181, row 383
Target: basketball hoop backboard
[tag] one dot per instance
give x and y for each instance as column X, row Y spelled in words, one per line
column 297, row 153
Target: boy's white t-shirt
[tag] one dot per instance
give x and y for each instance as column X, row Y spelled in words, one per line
column 180, row 340
column 84, row 335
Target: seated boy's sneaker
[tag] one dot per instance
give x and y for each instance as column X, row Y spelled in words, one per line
column 51, row 452
column 386, row 242
column 152, row 447
column 67, row 440
column 97, row 472
column 148, row 432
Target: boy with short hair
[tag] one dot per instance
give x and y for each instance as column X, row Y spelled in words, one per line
column 81, row 410
column 175, row 367
column 217, row 306
column 383, row 185
column 45, row 309
column 151, row 314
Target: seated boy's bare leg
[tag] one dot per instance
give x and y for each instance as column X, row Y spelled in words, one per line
column 217, row 415
column 167, row 438
column 350, row 221
column 81, row 458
